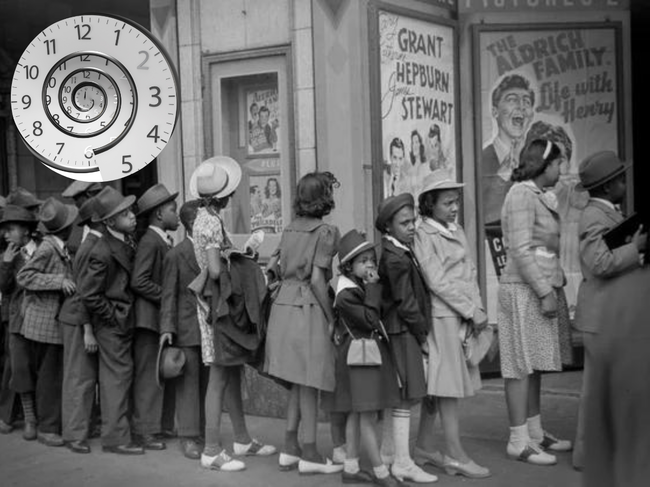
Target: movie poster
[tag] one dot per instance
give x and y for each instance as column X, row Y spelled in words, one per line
column 556, row 84
column 263, row 121
column 265, row 203
column 418, row 101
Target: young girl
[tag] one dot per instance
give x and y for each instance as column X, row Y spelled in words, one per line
column 214, row 181
column 406, row 313
column 362, row 391
column 442, row 250
column 298, row 345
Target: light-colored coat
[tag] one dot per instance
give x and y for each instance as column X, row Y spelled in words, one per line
column 599, row 264
column 448, row 270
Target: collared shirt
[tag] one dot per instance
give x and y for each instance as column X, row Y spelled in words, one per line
column 447, row 230
column 28, row 249
column 605, row 202
column 59, row 242
column 396, row 243
column 118, row 235
column 164, row 235
column 503, row 152
column 84, row 233
column 95, row 233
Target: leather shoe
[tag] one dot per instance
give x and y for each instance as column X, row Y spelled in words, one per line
column 150, row 442
column 130, row 449
column 190, row 448
column 79, row 446
column 5, row 428
column 50, row 439
column 361, row 477
column 29, row 431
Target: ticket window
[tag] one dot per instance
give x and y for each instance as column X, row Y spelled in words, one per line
column 249, row 121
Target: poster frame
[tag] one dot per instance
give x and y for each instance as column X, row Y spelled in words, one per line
column 476, row 31
column 376, row 129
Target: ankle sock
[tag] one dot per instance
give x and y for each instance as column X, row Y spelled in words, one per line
column 381, row 472
column 401, row 422
column 519, row 437
column 27, row 400
column 351, row 465
column 535, row 430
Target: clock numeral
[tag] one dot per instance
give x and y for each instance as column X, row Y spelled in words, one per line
column 52, row 82
column 156, row 95
column 56, row 118
column 31, row 72
column 85, row 58
column 117, row 36
column 153, row 134
column 127, row 163
column 48, row 43
column 69, row 109
column 88, row 152
column 28, row 102
column 62, row 66
column 60, row 148
column 102, row 123
column 146, row 58
column 86, row 74
column 69, row 128
column 48, row 100
column 85, row 36
column 38, row 131
column 67, row 88
column 64, row 99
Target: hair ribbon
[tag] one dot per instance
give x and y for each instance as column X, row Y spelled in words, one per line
column 547, row 151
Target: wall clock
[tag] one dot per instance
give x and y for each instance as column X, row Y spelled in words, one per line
column 95, row 97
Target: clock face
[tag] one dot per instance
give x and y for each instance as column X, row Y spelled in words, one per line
column 95, row 97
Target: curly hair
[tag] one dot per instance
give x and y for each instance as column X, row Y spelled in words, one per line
column 267, row 191
column 510, row 82
column 315, row 194
column 421, row 155
column 532, row 162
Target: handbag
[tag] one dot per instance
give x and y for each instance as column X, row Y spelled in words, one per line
column 363, row 352
column 476, row 346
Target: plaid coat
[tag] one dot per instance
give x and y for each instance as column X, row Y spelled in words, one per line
column 42, row 277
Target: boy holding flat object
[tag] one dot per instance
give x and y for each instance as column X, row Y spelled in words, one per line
column 603, row 175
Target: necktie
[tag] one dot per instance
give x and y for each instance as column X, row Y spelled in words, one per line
column 130, row 241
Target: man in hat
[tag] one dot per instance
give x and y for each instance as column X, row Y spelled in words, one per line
column 158, row 206
column 105, row 291
column 603, row 175
column 80, row 192
column 179, row 322
column 23, row 198
column 16, row 226
column 80, row 365
column 47, row 279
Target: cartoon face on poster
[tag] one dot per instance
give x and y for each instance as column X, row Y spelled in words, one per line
column 417, row 101
column 263, row 121
column 265, row 203
column 554, row 84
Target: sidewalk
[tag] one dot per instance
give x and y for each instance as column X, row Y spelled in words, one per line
column 484, row 427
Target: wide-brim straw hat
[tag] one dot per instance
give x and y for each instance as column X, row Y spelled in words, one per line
column 352, row 244
column 439, row 179
column 170, row 363
column 55, row 216
column 109, row 202
column 599, row 168
column 218, row 176
column 387, row 209
column 153, row 198
column 15, row 213
column 78, row 187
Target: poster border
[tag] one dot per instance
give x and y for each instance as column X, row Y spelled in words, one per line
column 376, row 133
column 476, row 30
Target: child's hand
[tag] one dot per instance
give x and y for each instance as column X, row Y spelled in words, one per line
column 549, row 305
column 425, row 348
column 90, row 342
column 11, row 253
column 371, row 277
column 69, row 287
column 639, row 239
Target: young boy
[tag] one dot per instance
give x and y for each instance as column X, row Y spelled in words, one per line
column 79, row 345
column 603, row 175
column 159, row 207
column 104, row 290
column 179, row 324
column 79, row 192
column 47, row 279
column 16, row 227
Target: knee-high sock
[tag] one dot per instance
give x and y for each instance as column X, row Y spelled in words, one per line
column 401, row 422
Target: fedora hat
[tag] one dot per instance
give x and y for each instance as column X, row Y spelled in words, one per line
column 439, row 179
column 170, row 363
column 86, row 211
column 55, row 216
column 78, row 187
column 389, row 207
column 109, row 202
column 218, row 176
column 22, row 197
column 352, row 244
column 154, row 197
column 14, row 213
column 598, row 168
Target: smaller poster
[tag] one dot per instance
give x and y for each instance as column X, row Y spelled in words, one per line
column 263, row 121
column 265, row 203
